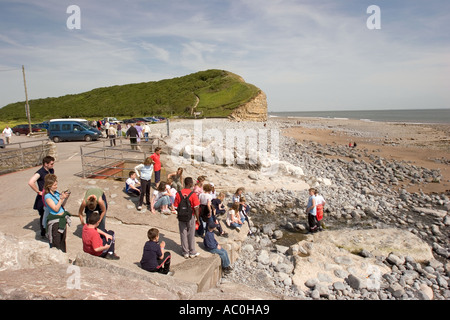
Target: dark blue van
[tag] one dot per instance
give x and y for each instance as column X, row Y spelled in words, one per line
column 72, row 130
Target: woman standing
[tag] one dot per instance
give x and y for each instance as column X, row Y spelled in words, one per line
column 36, row 183
column 206, row 209
column 57, row 218
column 145, row 172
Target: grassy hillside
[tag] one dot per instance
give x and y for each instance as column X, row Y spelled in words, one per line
column 219, row 93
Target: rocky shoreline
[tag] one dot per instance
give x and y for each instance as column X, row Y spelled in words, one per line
column 386, row 222
column 362, row 191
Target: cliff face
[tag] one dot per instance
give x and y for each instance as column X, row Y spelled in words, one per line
column 254, row 110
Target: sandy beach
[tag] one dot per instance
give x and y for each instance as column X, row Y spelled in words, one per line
column 422, row 145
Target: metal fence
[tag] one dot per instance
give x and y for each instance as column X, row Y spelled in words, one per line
column 103, row 159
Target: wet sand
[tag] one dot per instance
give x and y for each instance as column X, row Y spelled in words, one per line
column 422, row 145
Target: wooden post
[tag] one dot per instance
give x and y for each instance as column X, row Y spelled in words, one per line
column 26, row 100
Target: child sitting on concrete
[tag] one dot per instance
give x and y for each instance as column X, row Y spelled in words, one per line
column 218, row 205
column 213, row 246
column 96, row 241
column 233, row 218
column 132, row 184
column 154, row 257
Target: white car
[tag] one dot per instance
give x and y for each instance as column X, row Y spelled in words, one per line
column 111, row 120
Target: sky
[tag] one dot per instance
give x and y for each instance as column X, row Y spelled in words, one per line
column 313, row 55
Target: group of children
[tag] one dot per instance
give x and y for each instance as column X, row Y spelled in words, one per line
column 154, row 257
column 100, row 243
column 239, row 210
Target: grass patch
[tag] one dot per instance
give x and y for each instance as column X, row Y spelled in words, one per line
column 220, row 92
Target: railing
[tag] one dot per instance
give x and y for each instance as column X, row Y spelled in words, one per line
column 21, row 155
column 100, row 160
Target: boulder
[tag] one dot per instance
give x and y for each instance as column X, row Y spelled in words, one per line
column 18, row 254
column 380, row 242
column 334, row 255
column 69, row 282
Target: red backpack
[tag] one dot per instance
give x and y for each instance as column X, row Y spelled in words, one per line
column 319, row 212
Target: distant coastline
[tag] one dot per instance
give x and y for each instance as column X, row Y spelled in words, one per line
column 440, row 116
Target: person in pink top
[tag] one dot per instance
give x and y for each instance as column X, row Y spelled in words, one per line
column 157, row 165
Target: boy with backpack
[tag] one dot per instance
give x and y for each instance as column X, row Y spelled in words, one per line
column 187, row 206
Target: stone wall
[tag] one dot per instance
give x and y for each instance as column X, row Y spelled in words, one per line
column 254, row 110
column 15, row 159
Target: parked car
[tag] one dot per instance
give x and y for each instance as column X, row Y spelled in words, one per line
column 151, row 119
column 111, row 120
column 132, row 120
column 25, row 129
column 135, row 120
column 42, row 125
column 71, row 130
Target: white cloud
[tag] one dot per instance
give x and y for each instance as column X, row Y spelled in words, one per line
column 155, row 51
column 301, row 53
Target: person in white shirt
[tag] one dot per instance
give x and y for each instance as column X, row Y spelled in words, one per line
column 132, row 184
column 112, row 133
column 146, row 131
column 107, row 124
column 145, row 172
column 7, row 132
column 161, row 200
column 206, row 209
column 320, row 203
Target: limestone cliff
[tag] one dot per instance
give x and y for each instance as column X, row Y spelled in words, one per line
column 254, row 110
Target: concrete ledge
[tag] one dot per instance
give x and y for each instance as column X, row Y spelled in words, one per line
column 184, row 290
column 204, row 272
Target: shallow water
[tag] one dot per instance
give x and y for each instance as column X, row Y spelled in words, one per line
column 410, row 220
column 291, row 237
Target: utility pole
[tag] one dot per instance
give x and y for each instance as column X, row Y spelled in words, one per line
column 26, row 100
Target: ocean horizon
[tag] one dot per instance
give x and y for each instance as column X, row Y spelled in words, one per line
column 440, row 116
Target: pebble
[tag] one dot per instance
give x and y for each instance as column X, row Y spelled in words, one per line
column 360, row 191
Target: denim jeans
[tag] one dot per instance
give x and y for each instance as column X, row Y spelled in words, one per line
column 163, row 201
column 223, row 256
column 237, row 225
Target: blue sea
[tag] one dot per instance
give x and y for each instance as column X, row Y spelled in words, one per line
column 410, row 116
